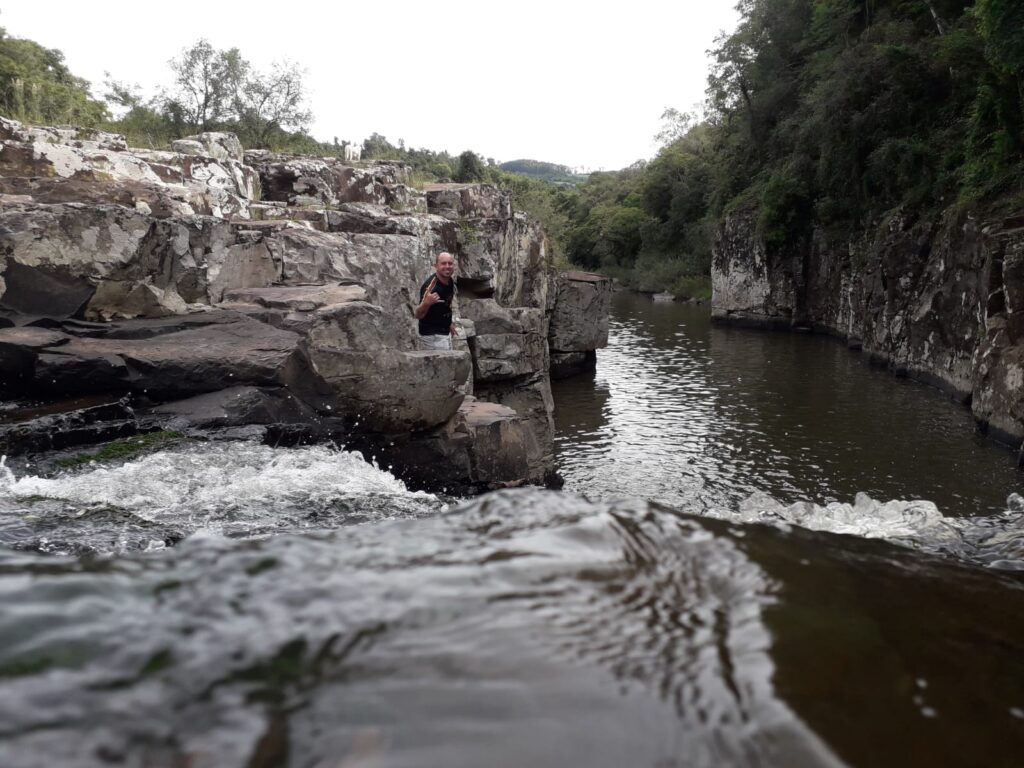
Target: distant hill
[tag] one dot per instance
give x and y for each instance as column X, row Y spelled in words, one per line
column 546, row 171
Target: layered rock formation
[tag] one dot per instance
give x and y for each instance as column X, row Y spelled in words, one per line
column 203, row 289
column 938, row 300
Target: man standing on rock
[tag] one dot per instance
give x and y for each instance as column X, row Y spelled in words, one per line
column 434, row 311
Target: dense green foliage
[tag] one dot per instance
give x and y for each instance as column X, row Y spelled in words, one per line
column 36, row 86
column 822, row 114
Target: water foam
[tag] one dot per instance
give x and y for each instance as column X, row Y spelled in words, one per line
column 993, row 540
column 227, row 487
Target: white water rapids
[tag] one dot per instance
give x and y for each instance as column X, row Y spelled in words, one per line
column 245, row 489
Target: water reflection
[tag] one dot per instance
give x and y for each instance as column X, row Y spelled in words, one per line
column 703, row 416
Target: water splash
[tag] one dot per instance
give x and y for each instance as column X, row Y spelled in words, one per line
column 230, row 488
column 992, row 540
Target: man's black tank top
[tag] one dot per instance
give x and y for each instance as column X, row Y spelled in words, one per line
column 438, row 320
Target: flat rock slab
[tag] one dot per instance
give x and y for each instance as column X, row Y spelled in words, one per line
column 187, row 358
column 235, row 406
column 301, row 298
column 480, row 413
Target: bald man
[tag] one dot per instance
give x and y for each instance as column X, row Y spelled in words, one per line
column 437, row 295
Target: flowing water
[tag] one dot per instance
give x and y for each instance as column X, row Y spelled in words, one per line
column 687, row 602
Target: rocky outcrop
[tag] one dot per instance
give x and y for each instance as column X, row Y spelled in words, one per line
column 206, row 289
column 579, row 322
column 936, row 300
column 199, row 184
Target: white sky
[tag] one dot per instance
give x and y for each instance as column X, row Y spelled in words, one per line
column 581, row 84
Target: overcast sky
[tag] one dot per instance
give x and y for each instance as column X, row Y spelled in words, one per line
column 581, row 84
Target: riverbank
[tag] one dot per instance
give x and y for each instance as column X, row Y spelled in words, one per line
column 934, row 299
column 207, row 289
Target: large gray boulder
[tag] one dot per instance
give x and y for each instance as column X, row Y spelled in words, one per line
column 232, row 407
column 219, row 145
column 483, row 447
column 579, row 322
column 107, row 261
column 367, row 357
column 468, row 201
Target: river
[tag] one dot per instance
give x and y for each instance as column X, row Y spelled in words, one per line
column 768, row 554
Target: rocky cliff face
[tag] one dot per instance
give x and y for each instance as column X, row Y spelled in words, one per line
column 207, row 289
column 938, row 300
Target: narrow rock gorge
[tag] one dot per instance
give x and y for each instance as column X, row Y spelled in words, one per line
column 939, row 299
column 212, row 291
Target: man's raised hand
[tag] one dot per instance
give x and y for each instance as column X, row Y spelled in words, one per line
column 430, row 299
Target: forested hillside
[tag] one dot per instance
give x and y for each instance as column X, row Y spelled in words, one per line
column 822, row 113
column 556, row 174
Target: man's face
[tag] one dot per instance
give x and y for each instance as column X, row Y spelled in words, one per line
column 445, row 266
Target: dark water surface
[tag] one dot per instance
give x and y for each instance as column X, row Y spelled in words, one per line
column 686, row 412
column 231, row 605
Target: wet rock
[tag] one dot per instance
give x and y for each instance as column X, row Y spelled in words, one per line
column 232, row 407
column 567, row 364
column 60, row 425
column 530, row 397
column 486, row 446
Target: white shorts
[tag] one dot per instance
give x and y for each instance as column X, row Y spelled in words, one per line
column 436, row 342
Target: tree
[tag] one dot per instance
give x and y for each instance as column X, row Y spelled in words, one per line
column 378, row 147
column 674, row 125
column 470, row 168
column 271, row 102
column 207, row 84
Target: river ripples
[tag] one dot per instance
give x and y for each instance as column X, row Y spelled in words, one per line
column 226, row 604
column 771, row 427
